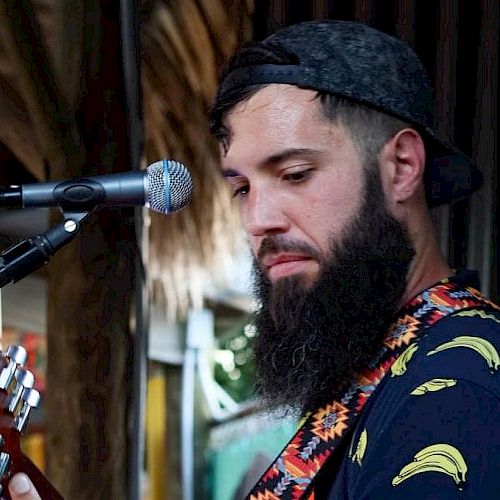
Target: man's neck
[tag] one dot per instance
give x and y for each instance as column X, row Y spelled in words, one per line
column 428, row 266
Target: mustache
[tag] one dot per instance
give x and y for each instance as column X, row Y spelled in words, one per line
column 279, row 243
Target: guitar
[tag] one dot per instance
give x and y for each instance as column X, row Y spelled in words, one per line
column 17, row 398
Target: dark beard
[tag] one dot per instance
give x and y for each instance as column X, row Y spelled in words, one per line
column 313, row 341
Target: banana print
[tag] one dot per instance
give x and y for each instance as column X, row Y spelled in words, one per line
column 433, row 385
column 399, row 366
column 477, row 312
column 439, row 457
column 360, row 448
column 478, row 344
column 351, row 446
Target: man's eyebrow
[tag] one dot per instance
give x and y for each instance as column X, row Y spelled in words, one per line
column 275, row 159
column 229, row 172
column 288, row 154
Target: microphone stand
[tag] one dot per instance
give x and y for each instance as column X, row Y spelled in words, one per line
column 22, row 258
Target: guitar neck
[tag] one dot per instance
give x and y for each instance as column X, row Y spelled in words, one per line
column 21, row 463
column 17, row 398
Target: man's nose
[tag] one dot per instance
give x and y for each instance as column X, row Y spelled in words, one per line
column 264, row 213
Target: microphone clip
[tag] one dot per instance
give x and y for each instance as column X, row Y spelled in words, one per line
column 28, row 255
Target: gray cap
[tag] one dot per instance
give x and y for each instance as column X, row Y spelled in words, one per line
column 360, row 63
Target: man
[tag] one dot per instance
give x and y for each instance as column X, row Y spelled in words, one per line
column 327, row 144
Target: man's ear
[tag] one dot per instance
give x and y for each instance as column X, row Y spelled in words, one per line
column 402, row 165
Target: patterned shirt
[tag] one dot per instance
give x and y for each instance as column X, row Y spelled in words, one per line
column 431, row 429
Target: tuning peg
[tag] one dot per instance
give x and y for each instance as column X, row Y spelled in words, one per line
column 17, row 356
column 4, row 464
column 31, row 398
column 25, row 380
column 3, row 359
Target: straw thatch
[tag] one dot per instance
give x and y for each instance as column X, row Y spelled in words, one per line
column 36, row 121
column 184, row 45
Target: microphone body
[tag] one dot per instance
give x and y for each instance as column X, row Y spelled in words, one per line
column 81, row 192
column 165, row 187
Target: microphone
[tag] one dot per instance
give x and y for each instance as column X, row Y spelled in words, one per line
column 165, row 187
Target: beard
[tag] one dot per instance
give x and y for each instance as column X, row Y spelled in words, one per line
column 313, row 340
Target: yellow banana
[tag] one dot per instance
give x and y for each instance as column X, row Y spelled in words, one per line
column 444, row 449
column 478, row 312
column 478, row 344
column 439, row 457
column 399, row 366
column 413, row 468
column 360, row 448
column 433, row 385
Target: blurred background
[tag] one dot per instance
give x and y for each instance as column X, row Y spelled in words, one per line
column 139, row 331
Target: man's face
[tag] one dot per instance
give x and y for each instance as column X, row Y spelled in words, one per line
column 330, row 261
column 297, row 179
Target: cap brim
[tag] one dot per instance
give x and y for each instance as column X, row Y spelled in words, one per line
column 450, row 175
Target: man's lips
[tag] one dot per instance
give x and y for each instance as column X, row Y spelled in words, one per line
column 273, row 260
column 279, row 265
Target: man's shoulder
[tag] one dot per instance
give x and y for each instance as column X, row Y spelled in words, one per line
column 463, row 346
column 461, row 350
column 442, row 392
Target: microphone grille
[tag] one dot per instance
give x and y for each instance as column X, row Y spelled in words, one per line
column 169, row 186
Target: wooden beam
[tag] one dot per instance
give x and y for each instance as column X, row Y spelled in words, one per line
column 482, row 252
column 446, row 95
column 364, row 11
column 91, row 287
column 405, row 24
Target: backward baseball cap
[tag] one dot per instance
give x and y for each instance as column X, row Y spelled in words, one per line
column 359, row 63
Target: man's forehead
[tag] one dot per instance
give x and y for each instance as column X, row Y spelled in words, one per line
column 278, row 115
column 273, row 97
column 271, row 130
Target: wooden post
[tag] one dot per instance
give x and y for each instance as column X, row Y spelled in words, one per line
column 90, row 292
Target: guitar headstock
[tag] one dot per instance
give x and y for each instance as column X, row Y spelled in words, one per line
column 17, row 398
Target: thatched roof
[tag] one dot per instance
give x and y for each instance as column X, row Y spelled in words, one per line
column 184, row 44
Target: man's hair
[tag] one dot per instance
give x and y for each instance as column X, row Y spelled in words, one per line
column 370, row 129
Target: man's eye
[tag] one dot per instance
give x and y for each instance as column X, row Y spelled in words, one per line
column 240, row 190
column 299, row 176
